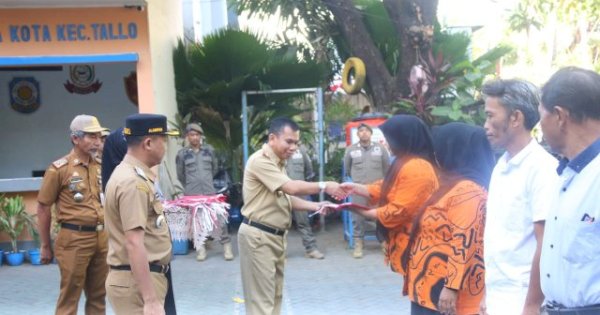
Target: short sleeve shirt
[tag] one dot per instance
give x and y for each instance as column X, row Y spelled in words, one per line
column 519, row 193
column 264, row 201
column 366, row 164
column 569, row 264
column 195, row 170
column 64, row 181
column 131, row 203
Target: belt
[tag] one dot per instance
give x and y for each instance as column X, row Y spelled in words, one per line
column 153, row 268
column 263, row 227
column 554, row 309
column 83, row 228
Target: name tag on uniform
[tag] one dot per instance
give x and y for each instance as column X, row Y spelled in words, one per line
column 376, row 151
column 356, row 154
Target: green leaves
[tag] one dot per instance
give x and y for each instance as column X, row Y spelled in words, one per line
column 14, row 218
column 210, row 77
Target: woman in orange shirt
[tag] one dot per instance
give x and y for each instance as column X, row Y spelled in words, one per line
column 408, row 184
column 444, row 261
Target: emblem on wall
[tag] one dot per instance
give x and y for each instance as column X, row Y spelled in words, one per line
column 24, row 94
column 131, row 87
column 83, row 80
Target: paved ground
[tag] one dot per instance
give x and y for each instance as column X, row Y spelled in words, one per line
column 338, row 284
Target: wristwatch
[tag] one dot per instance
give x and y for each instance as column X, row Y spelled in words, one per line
column 322, row 186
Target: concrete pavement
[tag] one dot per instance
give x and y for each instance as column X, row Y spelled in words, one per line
column 339, row 284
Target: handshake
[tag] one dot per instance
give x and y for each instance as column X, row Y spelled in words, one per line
column 340, row 192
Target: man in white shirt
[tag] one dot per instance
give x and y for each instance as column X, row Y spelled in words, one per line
column 517, row 202
column 570, row 260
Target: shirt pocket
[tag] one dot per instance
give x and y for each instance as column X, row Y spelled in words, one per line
column 583, row 247
column 206, row 162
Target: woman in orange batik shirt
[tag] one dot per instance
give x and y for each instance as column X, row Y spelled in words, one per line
column 408, row 184
column 445, row 269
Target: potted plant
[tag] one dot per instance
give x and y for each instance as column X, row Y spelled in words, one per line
column 13, row 219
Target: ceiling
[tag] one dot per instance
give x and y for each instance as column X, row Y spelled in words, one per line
column 68, row 3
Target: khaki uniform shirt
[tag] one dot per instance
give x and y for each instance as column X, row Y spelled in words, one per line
column 366, row 165
column 67, row 177
column 264, row 202
column 132, row 202
column 195, row 170
column 299, row 166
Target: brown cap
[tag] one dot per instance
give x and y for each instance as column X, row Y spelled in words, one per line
column 86, row 123
column 195, row 127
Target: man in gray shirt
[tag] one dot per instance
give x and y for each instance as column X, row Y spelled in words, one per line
column 299, row 167
column 196, row 166
column 365, row 162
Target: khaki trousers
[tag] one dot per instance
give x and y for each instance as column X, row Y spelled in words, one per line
column 262, row 260
column 81, row 258
column 124, row 296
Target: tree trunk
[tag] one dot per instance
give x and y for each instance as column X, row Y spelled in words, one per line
column 414, row 21
column 361, row 45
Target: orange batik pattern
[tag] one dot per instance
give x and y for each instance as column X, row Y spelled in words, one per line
column 415, row 183
column 448, row 249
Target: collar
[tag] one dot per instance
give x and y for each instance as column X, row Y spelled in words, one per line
column 581, row 160
column 516, row 160
column 77, row 160
column 268, row 152
column 137, row 164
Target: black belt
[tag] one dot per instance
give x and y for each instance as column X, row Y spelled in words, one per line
column 83, row 228
column 263, row 227
column 554, row 309
column 153, row 268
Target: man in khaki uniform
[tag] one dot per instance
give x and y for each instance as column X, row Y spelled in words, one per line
column 299, row 167
column 74, row 184
column 139, row 243
column 268, row 202
column 196, row 166
column 365, row 162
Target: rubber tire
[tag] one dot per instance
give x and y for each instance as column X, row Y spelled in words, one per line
column 360, row 74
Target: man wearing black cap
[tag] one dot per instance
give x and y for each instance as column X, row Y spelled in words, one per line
column 139, row 243
column 365, row 162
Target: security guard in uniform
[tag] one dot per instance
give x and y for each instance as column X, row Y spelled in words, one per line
column 299, row 167
column 139, row 242
column 365, row 162
column 196, row 166
column 268, row 202
column 74, row 184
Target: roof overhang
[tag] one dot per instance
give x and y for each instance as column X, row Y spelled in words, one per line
column 17, row 4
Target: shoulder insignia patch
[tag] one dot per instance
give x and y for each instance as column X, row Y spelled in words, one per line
column 143, row 187
column 60, row 163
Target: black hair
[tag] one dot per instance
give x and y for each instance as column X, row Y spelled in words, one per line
column 575, row 89
column 516, row 95
column 278, row 124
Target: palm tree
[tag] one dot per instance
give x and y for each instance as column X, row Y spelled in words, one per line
column 210, row 76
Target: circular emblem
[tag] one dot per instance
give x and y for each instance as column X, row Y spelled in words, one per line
column 83, row 80
column 24, row 94
column 82, row 74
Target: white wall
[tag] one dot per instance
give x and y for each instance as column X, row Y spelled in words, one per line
column 165, row 20
column 33, row 141
column 201, row 17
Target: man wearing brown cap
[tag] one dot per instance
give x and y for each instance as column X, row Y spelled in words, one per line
column 139, row 242
column 196, row 166
column 74, row 183
column 365, row 162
